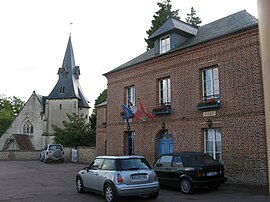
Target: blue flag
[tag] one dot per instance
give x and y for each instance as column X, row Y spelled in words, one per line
column 127, row 112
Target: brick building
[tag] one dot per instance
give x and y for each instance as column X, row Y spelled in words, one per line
column 204, row 88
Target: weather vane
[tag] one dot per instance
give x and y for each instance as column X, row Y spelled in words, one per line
column 70, row 28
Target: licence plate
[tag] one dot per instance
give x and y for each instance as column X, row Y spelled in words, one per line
column 139, row 177
column 211, row 173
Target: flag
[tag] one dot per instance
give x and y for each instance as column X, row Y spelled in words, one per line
column 127, row 112
column 150, row 116
column 136, row 112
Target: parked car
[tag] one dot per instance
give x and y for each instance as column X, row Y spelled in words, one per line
column 114, row 176
column 52, row 152
column 189, row 170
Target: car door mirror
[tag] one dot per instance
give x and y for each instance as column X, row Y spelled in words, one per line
column 86, row 168
column 159, row 165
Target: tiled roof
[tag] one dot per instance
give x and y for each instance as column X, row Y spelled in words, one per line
column 24, row 142
column 102, row 104
column 219, row 28
column 174, row 24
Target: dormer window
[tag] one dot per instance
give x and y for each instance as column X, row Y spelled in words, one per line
column 165, row 44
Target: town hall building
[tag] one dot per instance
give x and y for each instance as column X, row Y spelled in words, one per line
column 203, row 87
column 32, row 128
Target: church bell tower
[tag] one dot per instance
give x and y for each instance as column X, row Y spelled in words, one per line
column 66, row 97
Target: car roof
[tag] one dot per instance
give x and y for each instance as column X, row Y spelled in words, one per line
column 121, row 157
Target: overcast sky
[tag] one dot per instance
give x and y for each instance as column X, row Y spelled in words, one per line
column 105, row 34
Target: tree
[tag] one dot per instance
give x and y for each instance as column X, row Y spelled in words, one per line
column 9, row 109
column 76, row 132
column 191, row 19
column 162, row 15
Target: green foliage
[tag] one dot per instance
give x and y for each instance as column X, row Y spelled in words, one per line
column 191, row 19
column 101, row 98
column 161, row 16
column 76, row 132
column 9, row 109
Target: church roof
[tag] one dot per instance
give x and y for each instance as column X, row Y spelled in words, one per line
column 68, row 85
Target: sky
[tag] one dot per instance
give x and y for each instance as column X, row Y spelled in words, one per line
column 104, row 33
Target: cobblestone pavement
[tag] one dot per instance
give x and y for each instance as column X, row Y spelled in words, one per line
column 34, row 181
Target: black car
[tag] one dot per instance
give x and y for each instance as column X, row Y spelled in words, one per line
column 189, row 170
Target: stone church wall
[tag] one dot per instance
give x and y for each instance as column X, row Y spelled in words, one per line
column 31, row 111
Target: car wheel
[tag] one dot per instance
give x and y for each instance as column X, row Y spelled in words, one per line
column 109, row 193
column 186, row 186
column 79, row 185
column 153, row 195
column 214, row 186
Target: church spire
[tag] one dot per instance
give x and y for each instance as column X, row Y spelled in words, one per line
column 68, row 85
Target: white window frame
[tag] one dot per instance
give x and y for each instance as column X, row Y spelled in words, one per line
column 165, row 45
column 130, row 96
column 213, row 141
column 164, row 91
column 210, row 83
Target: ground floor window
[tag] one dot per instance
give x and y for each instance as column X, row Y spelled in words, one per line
column 212, row 143
column 129, row 142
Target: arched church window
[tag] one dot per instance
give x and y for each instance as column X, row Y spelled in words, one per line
column 28, row 127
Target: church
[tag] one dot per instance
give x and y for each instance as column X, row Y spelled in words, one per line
column 32, row 128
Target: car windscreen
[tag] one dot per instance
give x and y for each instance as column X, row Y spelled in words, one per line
column 197, row 160
column 132, row 164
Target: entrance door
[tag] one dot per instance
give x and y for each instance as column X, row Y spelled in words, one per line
column 165, row 143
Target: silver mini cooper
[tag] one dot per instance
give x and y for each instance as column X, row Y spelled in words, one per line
column 114, row 176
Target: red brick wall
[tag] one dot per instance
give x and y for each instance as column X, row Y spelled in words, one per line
column 101, row 130
column 240, row 117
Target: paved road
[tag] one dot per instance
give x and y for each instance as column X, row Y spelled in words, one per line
column 34, row 181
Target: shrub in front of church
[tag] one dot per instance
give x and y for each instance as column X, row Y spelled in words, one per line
column 75, row 132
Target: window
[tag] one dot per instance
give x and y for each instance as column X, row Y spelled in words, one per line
column 166, row 161
column 133, row 164
column 210, row 81
column 177, row 161
column 108, row 164
column 165, row 92
column 62, row 89
column 212, row 143
column 164, row 44
column 96, row 164
column 130, row 96
column 28, row 127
